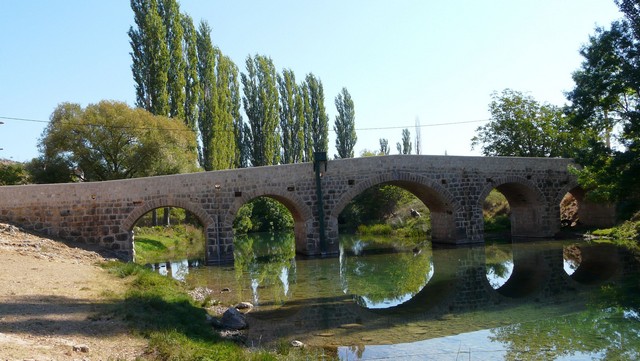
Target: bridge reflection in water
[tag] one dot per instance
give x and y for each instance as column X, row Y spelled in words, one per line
column 324, row 301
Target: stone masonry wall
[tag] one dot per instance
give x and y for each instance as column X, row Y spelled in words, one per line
column 452, row 187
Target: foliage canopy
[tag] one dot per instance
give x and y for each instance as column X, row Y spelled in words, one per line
column 110, row 140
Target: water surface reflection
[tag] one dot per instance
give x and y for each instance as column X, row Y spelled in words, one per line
column 512, row 301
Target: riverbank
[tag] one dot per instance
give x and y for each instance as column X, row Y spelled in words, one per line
column 51, row 297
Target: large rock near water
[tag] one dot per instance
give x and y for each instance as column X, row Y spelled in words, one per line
column 233, row 319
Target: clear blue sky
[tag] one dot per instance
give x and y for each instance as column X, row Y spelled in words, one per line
column 438, row 61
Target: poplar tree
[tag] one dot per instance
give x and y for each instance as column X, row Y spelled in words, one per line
column 207, row 97
column 170, row 12
column 384, row 146
column 307, row 115
column 291, row 121
column 261, row 105
column 227, row 112
column 345, row 126
column 150, row 57
column 405, row 146
column 318, row 121
column 192, row 82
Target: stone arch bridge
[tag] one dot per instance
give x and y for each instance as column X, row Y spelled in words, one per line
column 453, row 188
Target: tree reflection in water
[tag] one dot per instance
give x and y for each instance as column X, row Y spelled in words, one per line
column 381, row 276
column 268, row 260
column 499, row 264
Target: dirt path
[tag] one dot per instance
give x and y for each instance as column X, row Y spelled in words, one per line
column 54, row 303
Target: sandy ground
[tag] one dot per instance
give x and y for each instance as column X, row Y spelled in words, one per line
column 55, row 301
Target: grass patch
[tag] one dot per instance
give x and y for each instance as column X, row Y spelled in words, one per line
column 625, row 235
column 159, row 308
column 161, row 244
column 375, row 229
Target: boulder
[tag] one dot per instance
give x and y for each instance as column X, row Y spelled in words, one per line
column 233, row 319
column 244, row 306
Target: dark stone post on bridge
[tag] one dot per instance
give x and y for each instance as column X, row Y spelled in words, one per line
column 319, row 162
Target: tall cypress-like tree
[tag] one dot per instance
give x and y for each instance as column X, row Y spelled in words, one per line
column 207, row 98
column 192, row 82
column 170, row 12
column 261, row 105
column 150, row 56
column 307, row 115
column 418, row 137
column 319, row 121
column 384, row 146
column 291, row 121
column 345, row 125
column 405, row 146
column 227, row 111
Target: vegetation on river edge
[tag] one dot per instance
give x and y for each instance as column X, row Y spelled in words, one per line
column 160, row 309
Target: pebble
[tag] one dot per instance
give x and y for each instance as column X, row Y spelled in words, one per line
column 296, row 343
column 81, row 348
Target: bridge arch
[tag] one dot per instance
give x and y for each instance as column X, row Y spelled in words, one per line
column 440, row 202
column 589, row 213
column 300, row 211
column 204, row 218
column 529, row 207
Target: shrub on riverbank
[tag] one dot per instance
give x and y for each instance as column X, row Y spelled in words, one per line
column 626, row 234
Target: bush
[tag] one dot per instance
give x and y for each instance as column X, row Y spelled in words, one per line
column 497, row 223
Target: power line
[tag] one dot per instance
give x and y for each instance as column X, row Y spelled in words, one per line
column 425, row 125
column 176, row 129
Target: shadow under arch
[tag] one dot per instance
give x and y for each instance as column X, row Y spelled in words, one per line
column 589, row 213
column 532, row 269
column 440, row 202
column 301, row 213
column 205, row 219
column 599, row 262
column 527, row 204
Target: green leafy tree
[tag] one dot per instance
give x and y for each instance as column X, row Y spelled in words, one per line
column 291, row 118
column 192, row 81
column 307, row 114
column 150, row 56
column 174, row 35
column 345, row 125
column 12, row 173
column 56, row 169
column 261, row 105
column 110, row 140
column 317, row 119
column 384, row 146
column 522, row 127
column 207, row 98
column 604, row 105
column 227, row 116
column 405, row 146
column 263, row 214
column 418, row 137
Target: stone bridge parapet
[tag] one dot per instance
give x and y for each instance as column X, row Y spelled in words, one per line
column 453, row 188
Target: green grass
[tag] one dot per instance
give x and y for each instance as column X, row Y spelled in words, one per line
column 159, row 308
column 626, row 234
column 375, row 229
column 161, row 244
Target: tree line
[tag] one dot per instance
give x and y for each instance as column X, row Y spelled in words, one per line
column 179, row 73
column 600, row 125
column 194, row 94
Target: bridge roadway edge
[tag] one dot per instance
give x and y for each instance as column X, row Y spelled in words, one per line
column 452, row 187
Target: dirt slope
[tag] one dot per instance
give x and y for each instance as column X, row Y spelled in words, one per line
column 54, row 303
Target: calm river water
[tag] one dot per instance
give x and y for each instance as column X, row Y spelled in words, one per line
column 521, row 300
